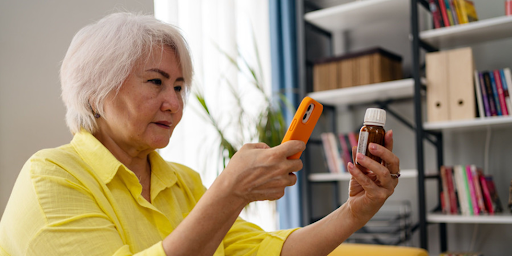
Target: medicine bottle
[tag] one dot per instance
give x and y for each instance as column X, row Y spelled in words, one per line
column 371, row 132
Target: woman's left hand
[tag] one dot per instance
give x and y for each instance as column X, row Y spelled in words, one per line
column 368, row 192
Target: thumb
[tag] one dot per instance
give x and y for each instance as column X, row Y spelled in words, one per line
column 259, row 145
column 291, row 147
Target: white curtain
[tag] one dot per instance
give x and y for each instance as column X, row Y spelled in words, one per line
column 210, row 25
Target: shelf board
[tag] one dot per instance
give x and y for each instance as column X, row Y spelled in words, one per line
column 469, row 33
column 501, row 218
column 397, row 89
column 471, row 124
column 359, row 13
column 326, row 177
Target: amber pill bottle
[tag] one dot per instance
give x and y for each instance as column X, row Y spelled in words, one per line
column 371, row 132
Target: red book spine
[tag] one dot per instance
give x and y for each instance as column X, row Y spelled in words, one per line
column 501, row 94
column 436, row 15
column 487, row 195
column 444, row 13
column 472, row 191
column 451, row 191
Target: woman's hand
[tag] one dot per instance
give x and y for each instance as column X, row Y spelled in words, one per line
column 368, row 193
column 257, row 172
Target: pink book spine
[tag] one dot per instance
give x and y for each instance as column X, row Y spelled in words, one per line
column 472, row 192
column 345, row 149
column 487, row 195
column 478, row 190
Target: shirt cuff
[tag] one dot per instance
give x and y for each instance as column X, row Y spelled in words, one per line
column 273, row 243
column 155, row 250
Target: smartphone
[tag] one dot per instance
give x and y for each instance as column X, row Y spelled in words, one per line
column 303, row 122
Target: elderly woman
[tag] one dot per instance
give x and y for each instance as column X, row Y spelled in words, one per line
column 108, row 192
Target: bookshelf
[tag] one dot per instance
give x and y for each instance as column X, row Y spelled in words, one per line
column 359, row 13
column 336, row 23
column 502, row 218
column 398, row 89
column 471, row 124
column 471, row 34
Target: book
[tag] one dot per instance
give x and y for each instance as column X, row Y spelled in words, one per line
column 478, row 189
column 436, row 14
column 507, row 83
column 445, row 196
column 467, row 11
column 346, row 154
column 490, row 95
column 496, row 203
column 467, row 190
column 449, row 12
column 485, row 192
column 454, row 12
column 495, row 94
column 472, row 190
column 501, row 94
column 462, row 191
column 444, row 13
column 479, row 99
column 328, row 153
column 336, row 152
column 454, row 209
column 352, row 138
column 456, row 4
column 485, row 98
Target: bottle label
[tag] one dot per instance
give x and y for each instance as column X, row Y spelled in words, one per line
column 363, row 142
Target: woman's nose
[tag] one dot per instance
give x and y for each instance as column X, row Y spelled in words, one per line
column 172, row 101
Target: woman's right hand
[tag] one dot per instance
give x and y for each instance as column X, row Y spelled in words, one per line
column 257, row 172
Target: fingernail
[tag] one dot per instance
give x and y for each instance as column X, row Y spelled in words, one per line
column 350, row 166
column 359, row 156
column 373, row 146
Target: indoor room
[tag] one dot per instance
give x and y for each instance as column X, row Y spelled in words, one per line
column 255, row 127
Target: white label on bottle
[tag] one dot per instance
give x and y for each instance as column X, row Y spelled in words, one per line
column 363, row 141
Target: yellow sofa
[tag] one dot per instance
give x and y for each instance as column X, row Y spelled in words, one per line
column 376, row 250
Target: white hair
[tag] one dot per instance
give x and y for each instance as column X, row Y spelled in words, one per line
column 102, row 55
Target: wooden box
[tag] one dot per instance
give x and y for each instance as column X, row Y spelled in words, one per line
column 370, row 66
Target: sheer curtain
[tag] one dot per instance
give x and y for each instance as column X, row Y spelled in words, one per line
column 210, row 25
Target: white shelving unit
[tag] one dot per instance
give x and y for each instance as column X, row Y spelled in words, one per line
column 325, row 177
column 359, row 13
column 499, row 218
column 397, row 89
column 472, row 124
column 469, row 33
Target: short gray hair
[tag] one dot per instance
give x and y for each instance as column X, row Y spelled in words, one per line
column 102, row 55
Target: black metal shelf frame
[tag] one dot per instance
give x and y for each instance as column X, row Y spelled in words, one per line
column 435, row 138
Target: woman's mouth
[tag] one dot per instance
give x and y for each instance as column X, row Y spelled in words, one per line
column 164, row 124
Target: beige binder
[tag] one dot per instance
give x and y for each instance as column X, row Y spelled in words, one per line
column 461, row 89
column 437, row 87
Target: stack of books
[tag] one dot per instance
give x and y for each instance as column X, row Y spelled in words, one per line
column 447, row 13
column 492, row 92
column 467, row 191
column 338, row 150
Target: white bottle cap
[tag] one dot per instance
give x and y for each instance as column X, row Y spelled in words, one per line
column 375, row 116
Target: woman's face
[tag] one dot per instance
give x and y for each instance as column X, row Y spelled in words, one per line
column 149, row 104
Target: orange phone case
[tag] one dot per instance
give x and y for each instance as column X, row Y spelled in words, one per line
column 300, row 130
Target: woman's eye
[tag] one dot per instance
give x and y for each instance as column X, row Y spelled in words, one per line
column 155, row 81
column 178, row 88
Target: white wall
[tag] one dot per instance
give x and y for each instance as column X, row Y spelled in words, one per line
column 34, row 37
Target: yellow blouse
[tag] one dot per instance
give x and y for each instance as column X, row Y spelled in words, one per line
column 78, row 199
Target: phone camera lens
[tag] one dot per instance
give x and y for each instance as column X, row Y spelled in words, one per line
column 305, row 115
column 309, row 107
